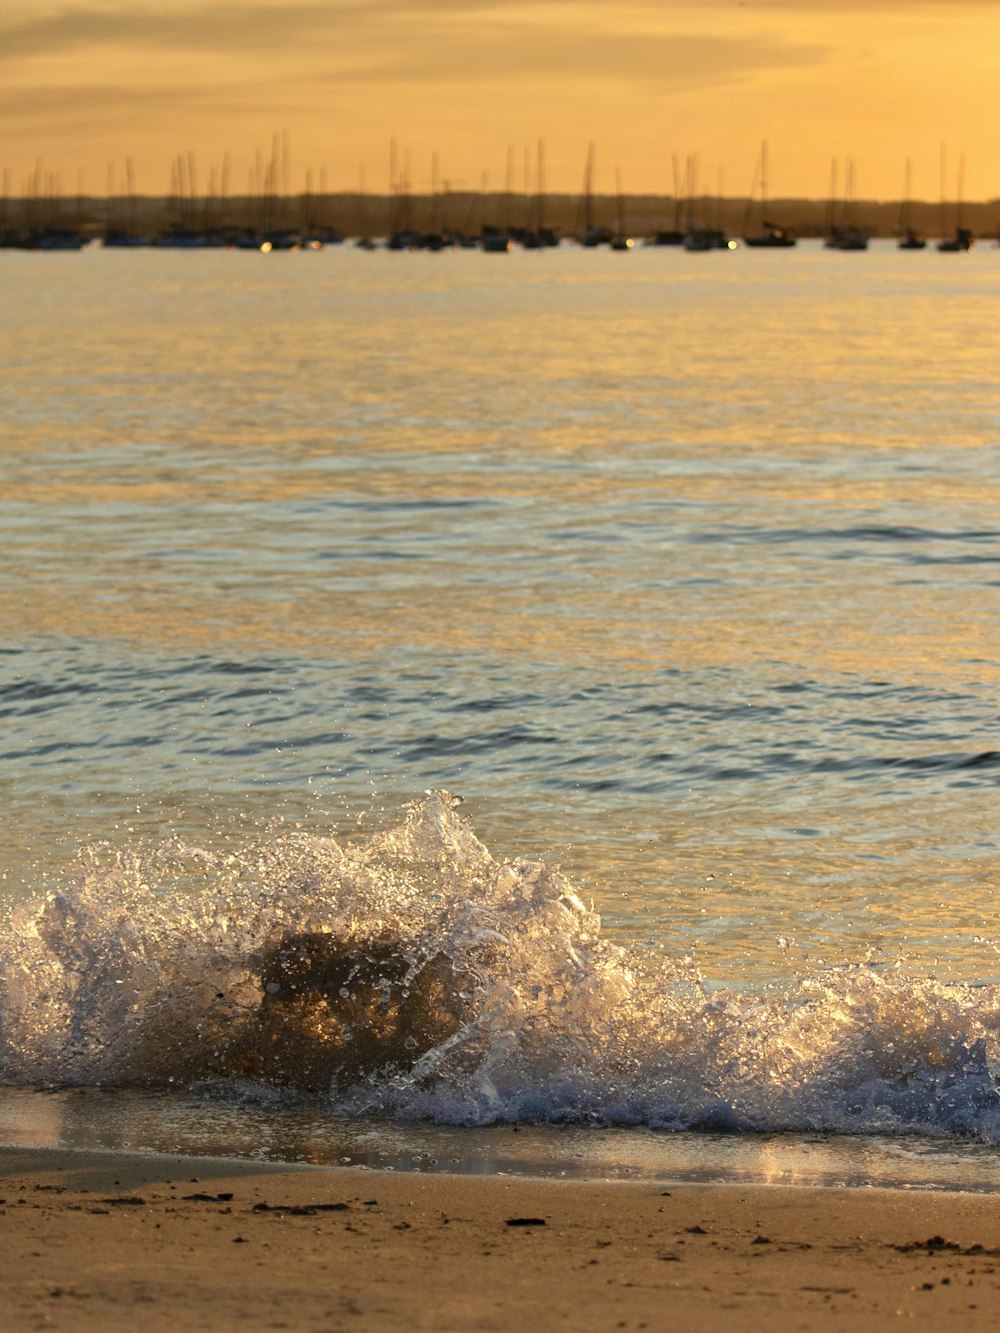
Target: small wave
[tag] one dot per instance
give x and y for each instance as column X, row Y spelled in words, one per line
column 866, row 532
column 412, row 974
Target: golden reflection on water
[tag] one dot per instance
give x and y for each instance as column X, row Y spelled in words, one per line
column 631, row 633
column 850, row 494
column 612, row 475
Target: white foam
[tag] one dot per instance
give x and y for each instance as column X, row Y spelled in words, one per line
column 414, row 975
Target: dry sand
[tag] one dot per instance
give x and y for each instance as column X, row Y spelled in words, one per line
column 94, row 1241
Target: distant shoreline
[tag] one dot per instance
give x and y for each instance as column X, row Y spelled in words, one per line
column 378, row 215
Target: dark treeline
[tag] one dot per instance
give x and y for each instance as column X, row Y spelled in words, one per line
column 354, row 214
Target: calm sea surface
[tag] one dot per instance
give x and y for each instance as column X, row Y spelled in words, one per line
column 683, row 571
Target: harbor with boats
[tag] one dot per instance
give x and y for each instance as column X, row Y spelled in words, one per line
column 470, row 222
column 271, row 216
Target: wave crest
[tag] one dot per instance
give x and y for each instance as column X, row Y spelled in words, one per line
column 413, row 974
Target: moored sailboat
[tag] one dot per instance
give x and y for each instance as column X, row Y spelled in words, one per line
column 845, row 234
column 620, row 241
column 909, row 237
column 770, row 234
column 911, row 240
column 591, row 235
column 962, row 240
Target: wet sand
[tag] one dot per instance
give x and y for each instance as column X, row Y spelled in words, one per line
column 102, row 1241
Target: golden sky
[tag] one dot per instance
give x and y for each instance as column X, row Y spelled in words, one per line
column 480, row 81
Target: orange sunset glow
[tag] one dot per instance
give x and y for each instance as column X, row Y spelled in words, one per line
column 474, row 85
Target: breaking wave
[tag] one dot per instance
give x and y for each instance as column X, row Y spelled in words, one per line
column 414, row 975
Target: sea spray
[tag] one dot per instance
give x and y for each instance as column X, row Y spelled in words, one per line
column 412, row 974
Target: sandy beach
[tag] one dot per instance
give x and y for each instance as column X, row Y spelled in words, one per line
column 111, row 1241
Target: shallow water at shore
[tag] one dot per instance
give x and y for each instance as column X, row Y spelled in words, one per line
column 682, row 573
column 176, row 1123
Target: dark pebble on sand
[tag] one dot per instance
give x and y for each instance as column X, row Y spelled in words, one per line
column 300, row 1210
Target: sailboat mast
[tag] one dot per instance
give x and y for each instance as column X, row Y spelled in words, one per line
column 831, row 208
column 508, row 188
column 748, row 211
column 437, row 208
column 763, row 181
column 393, row 218
column 719, row 195
column 904, row 207
column 526, row 160
column 588, row 218
column 130, row 185
column 541, row 184
column 944, row 187
column 849, row 192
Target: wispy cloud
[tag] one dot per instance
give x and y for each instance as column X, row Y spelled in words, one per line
column 219, row 28
column 389, row 41
column 96, row 106
column 658, row 61
column 45, row 29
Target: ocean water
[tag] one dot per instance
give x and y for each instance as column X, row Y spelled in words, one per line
column 445, row 695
